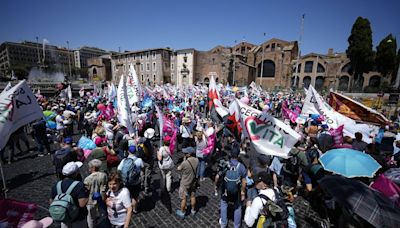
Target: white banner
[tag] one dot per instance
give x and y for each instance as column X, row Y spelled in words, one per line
column 124, row 108
column 133, row 87
column 314, row 104
column 8, row 87
column 18, row 107
column 269, row 135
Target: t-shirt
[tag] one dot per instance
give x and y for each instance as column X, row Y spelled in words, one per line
column 185, row 131
column 359, row 145
column 187, row 171
column 79, row 192
column 95, row 182
column 138, row 162
column 121, row 200
column 253, row 212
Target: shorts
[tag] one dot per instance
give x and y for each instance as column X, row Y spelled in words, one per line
column 184, row 192
column 306, row 178
column 134, row 191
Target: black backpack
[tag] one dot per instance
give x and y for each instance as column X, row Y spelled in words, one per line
column 278, row 216
column 292, row 165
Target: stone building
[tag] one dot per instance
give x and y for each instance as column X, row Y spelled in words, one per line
column 331, row 71
column 152, row 65
column 99, row 68
column 182, row 67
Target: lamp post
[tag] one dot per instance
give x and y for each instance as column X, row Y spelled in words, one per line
column 69, row 60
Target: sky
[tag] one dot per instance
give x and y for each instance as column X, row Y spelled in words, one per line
column 201, row 24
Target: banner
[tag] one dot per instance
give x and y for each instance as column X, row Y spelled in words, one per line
column 18, row 107
column 133, row 87
column 355, row 110
column 8, row 87
column 269, row 135
column 160, row 123
column 124, row 108
column 314, row 104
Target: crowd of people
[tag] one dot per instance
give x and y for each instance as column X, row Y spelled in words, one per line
column 119, row 164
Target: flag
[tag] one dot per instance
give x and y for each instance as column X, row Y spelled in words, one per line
column 268, row 135
column 18, row 107
column 232, row 123
column 212, row 92
column 134, row 89
column 160, row 123
column 214, row 104
column 355, row 110
column 82, row 92
column 314, row 104
column 69, row 92
column 124, row 110
column 8, row 87
column 16, row 213
column 112, row 92
column 289, row 114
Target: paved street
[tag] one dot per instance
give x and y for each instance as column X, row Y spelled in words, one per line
column 31, row 178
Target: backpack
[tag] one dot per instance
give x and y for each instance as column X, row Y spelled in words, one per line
column 63, row 208
column 232, row 182
column 62, row 157
column 273, row 214
column 129, row 173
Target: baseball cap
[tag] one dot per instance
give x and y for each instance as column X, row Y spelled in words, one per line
column 149, row 133
column 68, row 140
column 263, row 176
column 132, row 149
column 71, row 168
column 188, row 150
column 43, row 223
column 167, row 138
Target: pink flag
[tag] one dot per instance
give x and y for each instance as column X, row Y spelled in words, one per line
column 15, row 213
column 173, row 142
column 210, row 145
column 289, row 114
column 109, row 112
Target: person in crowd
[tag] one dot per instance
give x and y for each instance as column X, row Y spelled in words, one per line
column 100, row 154
column 166, row 164
column 146, row 153
column 40, row 136
column 80, row 193
column 118, row 201
column 132, row 164
column 63, row 156
column 96, row 183
column 187, row 185
column 358, row 143
column 233, row 189
column 186, row 132
column 201, row 144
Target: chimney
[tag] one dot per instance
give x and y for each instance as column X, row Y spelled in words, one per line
column 330, row 51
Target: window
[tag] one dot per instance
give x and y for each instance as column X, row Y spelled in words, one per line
column 172, row 66
column 154, row 77
column 154, row 54
column 142, row 77
column 172, row 76
column 268, row 69
column 147, row 55
column 141, row 56
column 124, row 67
column 141, row 67
column 154, row 66
column 147, row 66
column 320, row 68
column 306, row 82
column 185, row 59
column 134, row 57
column 308, row 67
column 273, row 47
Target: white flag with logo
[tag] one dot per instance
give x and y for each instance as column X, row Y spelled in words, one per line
column 269, row 135
column 124, row 110
column 18, row 107
column 133, row 86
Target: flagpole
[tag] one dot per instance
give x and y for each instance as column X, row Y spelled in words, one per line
column 4, row 181
column 262, row 63
column 298, row 52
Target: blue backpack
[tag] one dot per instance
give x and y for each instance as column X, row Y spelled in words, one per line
column 232, row 182
column 130, row 174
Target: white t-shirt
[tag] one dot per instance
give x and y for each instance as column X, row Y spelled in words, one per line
column 252, row 212
column 59, row 122
column 121, row 201
column 185, row 131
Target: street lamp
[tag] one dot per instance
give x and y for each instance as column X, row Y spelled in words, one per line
column 69, row 60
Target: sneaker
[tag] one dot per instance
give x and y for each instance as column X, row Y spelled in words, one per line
column 193, row 212
column 242, row 152
column 180, row 214
column 216, row 193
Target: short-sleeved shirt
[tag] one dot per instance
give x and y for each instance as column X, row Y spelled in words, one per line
column 242, row 168
column 188, row 173
column 121, row 201
column 79, row 192
column 95, row 182
column 138, row 163
column 98, row 153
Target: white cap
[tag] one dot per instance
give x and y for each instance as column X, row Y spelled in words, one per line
column 71, row 168
column 149, row 133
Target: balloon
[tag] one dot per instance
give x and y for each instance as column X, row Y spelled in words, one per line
column 101, row 107
column 245, row 100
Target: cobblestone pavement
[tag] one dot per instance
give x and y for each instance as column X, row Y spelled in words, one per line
column 31, row 178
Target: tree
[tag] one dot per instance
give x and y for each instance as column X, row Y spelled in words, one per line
column 386, row 57
column 360, row 49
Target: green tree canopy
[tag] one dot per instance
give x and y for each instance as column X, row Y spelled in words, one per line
column 360, row 47
column 386, row 58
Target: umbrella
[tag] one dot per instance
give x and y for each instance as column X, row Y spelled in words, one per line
column 349, row 163
column 394, row 175
column 362, row 200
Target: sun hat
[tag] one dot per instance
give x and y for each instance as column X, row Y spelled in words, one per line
column 43, row 223
column 149, row 133
column 71, row 168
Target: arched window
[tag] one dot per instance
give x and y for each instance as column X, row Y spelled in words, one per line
column 308, row 67
column 344, row 83
column 347, row 68
column 298, row 68
column 268, row 69
column 375, row 81
column 297, row 82
column 358, row 83
column 94, row 71
column 206, row 81
column 306, row 82
column 320, row 68
column 319, row 83
column 216, row 80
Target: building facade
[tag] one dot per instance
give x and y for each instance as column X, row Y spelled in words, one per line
column 27, row 54
column 152, row 65
column 84, row 53
column 182, row 67
column 99, row 68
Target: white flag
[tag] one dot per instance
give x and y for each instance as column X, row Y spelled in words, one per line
column 8, row 87
column 69, row 93
column 134, row 89
column 269, row 135
column 124, row 110
column 18, row 107
column 112, row 92
column 82, row 92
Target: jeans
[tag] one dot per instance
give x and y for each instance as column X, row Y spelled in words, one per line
column 237, row 213
column 166, row 179
column 41, row 143
column 202, row 167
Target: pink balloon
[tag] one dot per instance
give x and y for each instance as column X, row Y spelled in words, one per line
column 101, row 107
column 245, row 100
